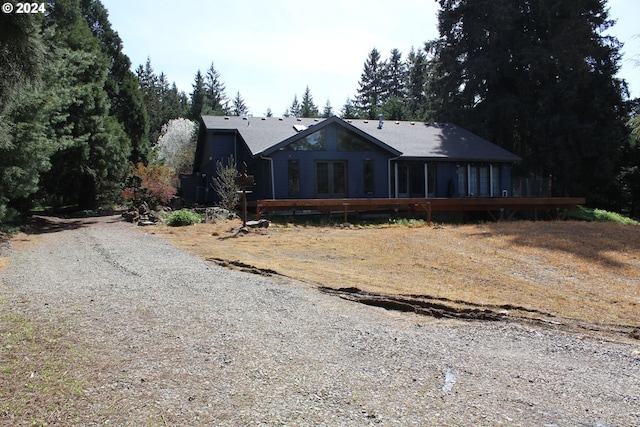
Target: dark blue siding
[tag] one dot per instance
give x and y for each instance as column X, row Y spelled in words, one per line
column 355, row 172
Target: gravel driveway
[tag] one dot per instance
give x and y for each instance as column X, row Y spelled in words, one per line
column 174, row 340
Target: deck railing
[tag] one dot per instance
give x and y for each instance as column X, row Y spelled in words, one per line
column 496, row 207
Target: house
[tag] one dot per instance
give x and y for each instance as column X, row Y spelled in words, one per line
column 306, row 158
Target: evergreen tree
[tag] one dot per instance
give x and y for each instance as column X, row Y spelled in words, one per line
column 90, row 162
column 416, row 98
column 173, row 104
column 308, row 108
column 149, row 86
column 239, row 108
column 537, row 78
column 215, row 97
column 349, row 111
column 21, row 54
column 395, row 75
column 24, row 147
column 198, row 97
column 126, row 103
column 295, row 108
column 371, row 91
column 328, row 110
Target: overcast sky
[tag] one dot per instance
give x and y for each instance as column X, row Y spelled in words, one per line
column 271, row 50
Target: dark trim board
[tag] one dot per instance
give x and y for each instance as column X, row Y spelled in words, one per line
column 499, row 205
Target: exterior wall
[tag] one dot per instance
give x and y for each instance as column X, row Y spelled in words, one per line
column 355, row 164
column 272, row 173
column 355, row 173
column 216, row 146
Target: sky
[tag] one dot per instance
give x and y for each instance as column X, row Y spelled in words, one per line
column 270, row 51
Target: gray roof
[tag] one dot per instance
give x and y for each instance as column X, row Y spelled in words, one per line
column 437, row 141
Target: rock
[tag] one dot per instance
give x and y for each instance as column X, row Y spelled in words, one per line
column 263, row 223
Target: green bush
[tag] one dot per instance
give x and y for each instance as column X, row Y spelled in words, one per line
column 183, row 217
column 599, row 215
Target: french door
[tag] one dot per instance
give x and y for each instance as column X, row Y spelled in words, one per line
column 331, row 178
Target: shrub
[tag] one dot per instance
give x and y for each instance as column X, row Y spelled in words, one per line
column 150, row 184
column 183, row 217
column 587, row 214
column 225, row 184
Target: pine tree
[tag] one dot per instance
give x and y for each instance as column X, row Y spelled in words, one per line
column 125, row 98
column 328, row 110
column 150, row 88
column 537, row 78
column 239, row 108
column 371, row 93
column 416, row 98
column 295, row 108
column 395, row 76
column 349, row 111
column 91, row 159
column 198, row 97
column 308, row 108
column 215, row 97
column 24, row 147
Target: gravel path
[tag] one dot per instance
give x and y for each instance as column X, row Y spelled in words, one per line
column 174, row 340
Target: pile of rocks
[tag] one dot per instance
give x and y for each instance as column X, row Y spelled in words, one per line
column 214, row 214
column 141, row 214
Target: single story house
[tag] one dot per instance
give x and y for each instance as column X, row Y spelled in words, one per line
column 306, row 158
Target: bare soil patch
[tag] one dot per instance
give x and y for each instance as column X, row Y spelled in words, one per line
column 568, row 273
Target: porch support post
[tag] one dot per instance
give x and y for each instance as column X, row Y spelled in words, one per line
column 426, row 180
column 395, row 174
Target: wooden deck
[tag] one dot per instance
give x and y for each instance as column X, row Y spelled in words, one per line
column 496, row 207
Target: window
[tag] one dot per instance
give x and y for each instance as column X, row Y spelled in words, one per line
column 473, row 181
column 331, row 178
column 431, row 180
column 495, row 181
column 322, row 177
column 483, row 181
column 339, row 177
column 478, row 180
column 349, row 141
column 294, row 177
column 317, row 141
column 462, row 180
column 369, row 176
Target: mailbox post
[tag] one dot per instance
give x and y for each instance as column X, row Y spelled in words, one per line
column 244, row 181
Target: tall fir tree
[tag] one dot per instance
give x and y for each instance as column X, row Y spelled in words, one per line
column 150, row 88
column 90, row 162
column 198, row 97
column 371, row 92
column 537, row 78
column 327, row 111
column 308, row 108
column 215, row 97
column 240, row 107
column 24, row 146
column 294, row 108
column 395, row 76
column 126, row 103
column 416, row 101
column 349, row 110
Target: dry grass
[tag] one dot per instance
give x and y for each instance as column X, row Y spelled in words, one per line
column 38, row 372
column 588, row 272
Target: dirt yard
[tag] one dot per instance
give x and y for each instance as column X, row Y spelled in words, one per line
column 567, row 272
